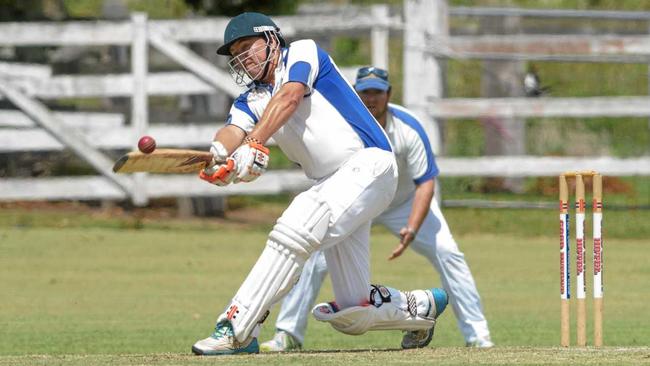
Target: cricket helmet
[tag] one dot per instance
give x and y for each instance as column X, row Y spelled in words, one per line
column 248, row 24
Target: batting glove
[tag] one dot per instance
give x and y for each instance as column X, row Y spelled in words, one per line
column 220, row 174
column 219, row 152
column 251, row 160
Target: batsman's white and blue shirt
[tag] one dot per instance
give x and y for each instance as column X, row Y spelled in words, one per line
column 330, row 124
column 416, row 163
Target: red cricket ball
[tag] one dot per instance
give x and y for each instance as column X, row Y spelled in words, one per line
column 147, row 144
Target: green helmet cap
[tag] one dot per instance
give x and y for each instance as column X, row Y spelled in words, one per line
column 247, row 25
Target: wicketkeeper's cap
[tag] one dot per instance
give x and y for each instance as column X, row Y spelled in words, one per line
column 371, row 77
column 247, row 25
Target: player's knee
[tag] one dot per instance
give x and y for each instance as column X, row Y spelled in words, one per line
column 302, row 226
column 447, row 249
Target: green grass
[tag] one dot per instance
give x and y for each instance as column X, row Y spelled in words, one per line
column 437, row 356
column 620, row 223
column 87, row 290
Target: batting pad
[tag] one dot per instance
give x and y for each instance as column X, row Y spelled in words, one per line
column 393, row 315
column 297, row 234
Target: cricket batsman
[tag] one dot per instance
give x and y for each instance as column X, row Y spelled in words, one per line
column 297, row 95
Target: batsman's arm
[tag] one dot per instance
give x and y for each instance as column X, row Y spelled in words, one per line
column 249, row 161
column 419, row 211
column 230, row 137
column 277, row 112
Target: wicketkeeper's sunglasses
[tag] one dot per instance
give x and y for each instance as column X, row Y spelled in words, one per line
column 364, row 72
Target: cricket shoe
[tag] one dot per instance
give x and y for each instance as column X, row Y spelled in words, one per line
column 281, row 342
column 483, row 342
column 438, row 300
column 223, row 342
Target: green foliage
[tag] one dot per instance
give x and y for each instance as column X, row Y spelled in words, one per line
column 545, row 4
column 83, row 8
column 276, row 201
column 463, row 79
column 619, row 191
column 395, row 69
column 622, row 137
column 156, row 9
column 348, row 51
column 30, row 10
column 626, row 137
column 159, row 9
column 235, row 7
column 464, row 138
column 592, row 79
column 559, row 4
column 278, row 160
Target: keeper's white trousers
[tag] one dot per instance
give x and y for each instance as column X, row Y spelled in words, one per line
column 434, row 241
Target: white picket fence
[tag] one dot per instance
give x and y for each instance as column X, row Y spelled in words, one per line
column 425, row 28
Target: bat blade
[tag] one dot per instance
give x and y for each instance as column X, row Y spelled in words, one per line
column 163, row 161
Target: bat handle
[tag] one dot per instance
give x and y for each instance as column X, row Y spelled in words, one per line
column 212, row 162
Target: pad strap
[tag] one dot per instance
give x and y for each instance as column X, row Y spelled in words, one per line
column 378, row 295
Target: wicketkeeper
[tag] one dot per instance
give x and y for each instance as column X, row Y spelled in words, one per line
column 297, row 95
column 413, row 216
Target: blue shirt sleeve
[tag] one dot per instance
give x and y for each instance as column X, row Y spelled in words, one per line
column 421, row 161
column 302, row 63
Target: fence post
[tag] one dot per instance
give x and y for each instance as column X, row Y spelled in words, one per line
column 139, row 107
column 379, row 36
column 424, row 76
column 423, row 73
column 503, row 136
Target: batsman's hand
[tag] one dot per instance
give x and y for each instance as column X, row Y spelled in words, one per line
column 406, row 234
column 219, row 152
column 251, row 160
column 219, row 174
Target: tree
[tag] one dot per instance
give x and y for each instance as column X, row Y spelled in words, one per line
column 235, row 7
column 31, row 10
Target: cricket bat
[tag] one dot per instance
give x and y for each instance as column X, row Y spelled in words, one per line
column 172, row 161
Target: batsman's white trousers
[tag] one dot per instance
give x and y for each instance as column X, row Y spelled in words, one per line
column 360, row 190
column 434, row 241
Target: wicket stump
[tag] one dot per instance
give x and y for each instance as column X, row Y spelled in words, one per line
column 565, row 275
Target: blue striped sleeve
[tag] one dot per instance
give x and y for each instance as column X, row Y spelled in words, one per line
column 241, row 103
column 422, row 143
column 299, row 72
column 340, row 94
